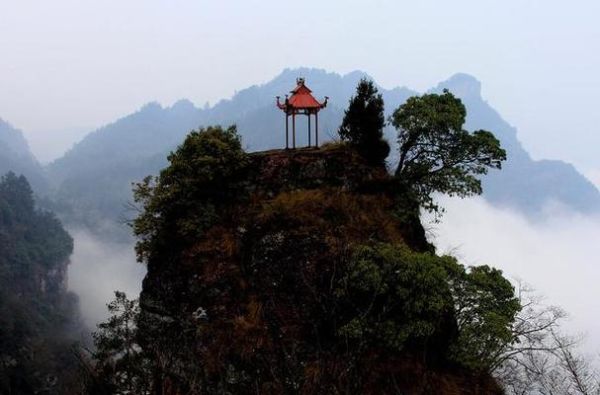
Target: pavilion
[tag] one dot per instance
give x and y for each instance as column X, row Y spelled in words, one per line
column 301, row 102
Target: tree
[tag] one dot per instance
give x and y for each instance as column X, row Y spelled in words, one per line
column 400, row 298
column 486, row 309
column 436, row 153
column 542, row 359
column 206, row 173
column 363, row 123
column 120, row 366
column 16, row 192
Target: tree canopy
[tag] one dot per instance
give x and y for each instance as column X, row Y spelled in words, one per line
column 463, row 314
column 363, row 123
column 436, row 153
column 204, row 174
column 119, row 365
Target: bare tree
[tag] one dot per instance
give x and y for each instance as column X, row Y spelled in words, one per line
column 542, row 360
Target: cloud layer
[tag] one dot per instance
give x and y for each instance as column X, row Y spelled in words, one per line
column 98, row 268
column 558, row 256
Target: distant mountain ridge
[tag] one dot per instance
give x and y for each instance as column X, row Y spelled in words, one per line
column 523, row 183
column 93, row 180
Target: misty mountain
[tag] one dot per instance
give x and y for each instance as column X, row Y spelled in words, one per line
column 15, row 156
column 92, row 181
column 523, row 183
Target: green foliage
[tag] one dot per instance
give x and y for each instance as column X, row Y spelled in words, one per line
column 486, row 307
column 436, row 153
column 402, row 298
column 363, row 123
column 204, row 175
column 36, row 311
column 17, row 193
column 119, row 363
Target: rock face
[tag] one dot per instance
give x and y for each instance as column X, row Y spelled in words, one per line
column 254, row 305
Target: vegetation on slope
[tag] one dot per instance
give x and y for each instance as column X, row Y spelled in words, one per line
column 36, row 311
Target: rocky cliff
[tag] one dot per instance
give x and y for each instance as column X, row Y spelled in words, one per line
column 305, row 273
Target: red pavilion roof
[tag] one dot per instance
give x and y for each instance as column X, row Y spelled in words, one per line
column 301, row 98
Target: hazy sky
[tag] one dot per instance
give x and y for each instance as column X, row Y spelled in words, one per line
column 69, row 66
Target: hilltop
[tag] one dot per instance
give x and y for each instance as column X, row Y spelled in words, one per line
column 303, row 271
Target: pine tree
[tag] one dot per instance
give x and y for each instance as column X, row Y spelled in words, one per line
column 363, row 123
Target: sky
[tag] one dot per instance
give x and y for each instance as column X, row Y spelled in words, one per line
column 70, row 66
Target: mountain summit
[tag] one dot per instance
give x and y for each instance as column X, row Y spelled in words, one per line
column 303, row 272
column 462, row 85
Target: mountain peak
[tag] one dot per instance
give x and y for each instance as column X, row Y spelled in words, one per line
column 462, row 85
column 183, row 105
column 357, row 75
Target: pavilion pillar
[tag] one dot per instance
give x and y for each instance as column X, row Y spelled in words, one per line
column 317, row 129
column 309, row 129
column 287, row 138
column 293, row 130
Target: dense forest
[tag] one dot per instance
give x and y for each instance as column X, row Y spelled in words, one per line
column 38, row 317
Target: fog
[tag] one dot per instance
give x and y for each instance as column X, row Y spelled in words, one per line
column 558, row 256
column 97, row 269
